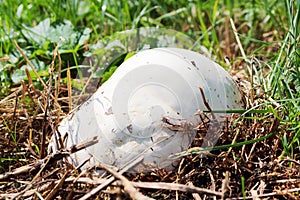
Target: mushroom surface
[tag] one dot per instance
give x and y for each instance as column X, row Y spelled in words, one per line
column 148, row 108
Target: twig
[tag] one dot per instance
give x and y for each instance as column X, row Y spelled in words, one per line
column 175, row 186
column 55, row 52
column 20, row 170
column 48, row 102
column 44, row 124
column 234, row 140
column 213, row 182
column 241, row 49
column 56, row 188
column 25, row 194
column 30, row 83
column 148, row 185
column 111, row 179
column 238, row 39
column 43, row 165
column 225, row 184
column 15, row 93
column 128, row 187
column 195, row 195
column 205, row 102
column 29, row 144
column 84, row 145
column 52, row 157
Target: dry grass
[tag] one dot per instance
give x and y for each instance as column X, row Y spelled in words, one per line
column 30, row 117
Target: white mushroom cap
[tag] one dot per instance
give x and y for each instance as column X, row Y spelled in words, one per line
column 128, row 112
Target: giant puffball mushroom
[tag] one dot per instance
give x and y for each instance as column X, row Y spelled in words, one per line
column 147, row 108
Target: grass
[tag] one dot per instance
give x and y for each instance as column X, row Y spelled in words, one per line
column 263, row 46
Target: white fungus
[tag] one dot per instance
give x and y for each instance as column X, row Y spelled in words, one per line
column 147, row 108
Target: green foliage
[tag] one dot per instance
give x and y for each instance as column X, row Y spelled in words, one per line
column 108, row 74
column 283, row 80
column 64, row 33
column 38, row 43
